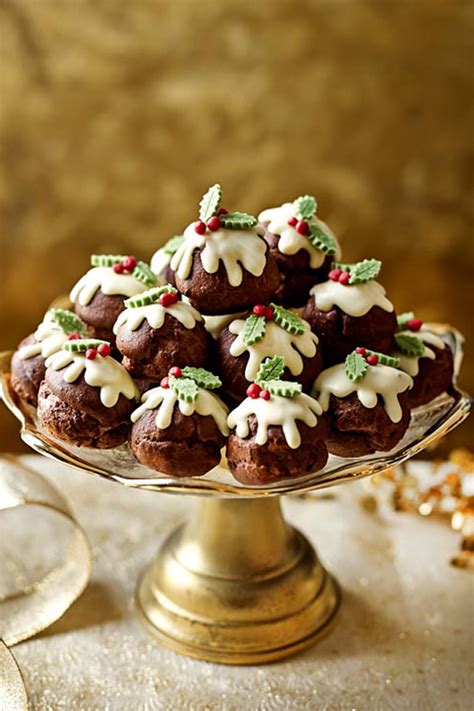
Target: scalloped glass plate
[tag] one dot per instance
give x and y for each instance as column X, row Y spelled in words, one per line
column 428, row 424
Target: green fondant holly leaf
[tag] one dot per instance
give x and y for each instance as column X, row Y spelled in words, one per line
column 68, row 321
column 322, row 240
column 106, row 260
column 402, row 320
column 210, row 202
column 202, row 377
column 288, row 320
column 409, row 345
column 365, row 271
column 355, row 367
column 270, row 369
column 143, row 273
column 283, row 388
column 171, row 246
column 385, row 359
column 238, row 221
column 254, row 329
column 81, row 345
column 151, row 296
column 305, row 207
column 186, row 389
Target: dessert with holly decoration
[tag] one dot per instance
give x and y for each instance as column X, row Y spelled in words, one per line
column 224, row 264
column 181, row 425
column 351, row 309
column 269, row 330
column 366, row 399
column 303, row 247
column 86, row 397
column 99, row 295
column 28, row 362
column 157, row 330
column 278, row 431
column 160, row 261
column 425, row 357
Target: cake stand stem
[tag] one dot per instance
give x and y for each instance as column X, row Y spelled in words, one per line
column 237, row 584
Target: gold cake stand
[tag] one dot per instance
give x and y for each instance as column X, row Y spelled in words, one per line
column 237, row 584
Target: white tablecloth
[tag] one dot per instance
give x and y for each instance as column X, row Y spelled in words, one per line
column 403, row 639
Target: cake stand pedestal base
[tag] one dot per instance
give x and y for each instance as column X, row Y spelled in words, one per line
column 237, row 585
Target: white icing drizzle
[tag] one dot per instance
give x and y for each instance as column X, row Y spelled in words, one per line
column 379, row 380
column 411, row 364
column 108, row 281
column 237, row 249
column 355, row 300
column 278, row 411
column 158, row 263
column 164, row 400
column 49, row 339
column 104, row 373
column 291, row 241
column 276, row 340
column 155, row 315
column 216, row 324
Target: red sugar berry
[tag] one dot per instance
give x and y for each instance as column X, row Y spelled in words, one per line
column 254, row 391
column 91, row 353
column 293, row 221
column 259, row 310
column 118, row 268
column 414, row 324
column 200, row 227
column 214, row 223
column 302, row 227
column 361, row 351
column 74, row 336
column 222, row 211
column 344, row 278
column 165, row 382
column 334, row 274
column 176, row 372
column 264, row 394
column 129, row 263
column 169, row 298
column 268, row 312
column 372, row 360
column 104, row 350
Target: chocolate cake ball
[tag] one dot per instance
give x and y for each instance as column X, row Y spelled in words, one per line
column 157, row 330
column 302, row 245
column 28, row 362
column 426, row 358
column 160, row 262
column 181, row 426
column 224, row 264
column 86, row 397
column 99, row 295
column 350, row 310
column 268, row 330
column 367, row 403
column 279, row 434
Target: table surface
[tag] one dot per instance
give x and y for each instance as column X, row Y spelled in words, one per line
column 404, row 637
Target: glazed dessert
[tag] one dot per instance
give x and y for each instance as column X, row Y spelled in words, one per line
column 181, row 426
column 302, row 245
column 28, row 362
column 269, row 330
column 86, row 397
column 160, row 262
column 367, row 403
column 224, row 265
column 157, row 330
column 350, row 309
column 425, row 357
column 99, row 295
column 278, row 431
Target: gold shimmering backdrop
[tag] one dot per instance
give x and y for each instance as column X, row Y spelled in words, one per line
column 116, row 116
